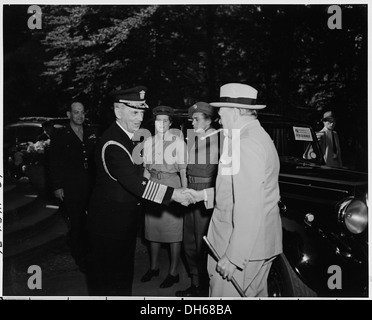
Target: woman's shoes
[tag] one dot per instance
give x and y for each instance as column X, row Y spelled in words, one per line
column 149, row 275
column 192, row 291
column 170, row 281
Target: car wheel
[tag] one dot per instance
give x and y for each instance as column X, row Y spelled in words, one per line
column 283, row 281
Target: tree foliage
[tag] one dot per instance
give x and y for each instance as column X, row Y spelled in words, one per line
column 183, row 53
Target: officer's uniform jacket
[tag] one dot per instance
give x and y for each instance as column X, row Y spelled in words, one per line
column 120, row 184
column 203, row 156
column 71, row 160
column 246, row 224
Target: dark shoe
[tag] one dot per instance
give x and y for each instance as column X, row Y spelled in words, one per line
column 149, row 275
column 170, row 281
column 192, row 291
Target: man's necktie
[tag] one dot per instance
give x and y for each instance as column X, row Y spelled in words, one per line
column 334, row 143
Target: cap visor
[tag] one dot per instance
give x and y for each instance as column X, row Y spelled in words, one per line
column 137, row 106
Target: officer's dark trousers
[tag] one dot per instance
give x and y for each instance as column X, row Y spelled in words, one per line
column 74, row 209
column 112, row 233
column 111, row 270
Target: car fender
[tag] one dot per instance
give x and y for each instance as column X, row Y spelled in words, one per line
column 314, row 253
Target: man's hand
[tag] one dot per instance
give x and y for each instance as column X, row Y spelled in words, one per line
column 59, row 194
column 196, row 195
column 226, row 268
column 183, row 197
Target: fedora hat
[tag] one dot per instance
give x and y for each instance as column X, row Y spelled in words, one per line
column 328, row 115
column 238, row 95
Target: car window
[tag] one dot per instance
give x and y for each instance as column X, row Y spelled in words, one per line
column 23, row 134
column 295, row 141
column 30, row 133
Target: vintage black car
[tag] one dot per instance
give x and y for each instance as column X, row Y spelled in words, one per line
column 25, row 141
column 324, row 217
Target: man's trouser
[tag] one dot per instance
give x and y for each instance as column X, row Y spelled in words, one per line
column 195, row 226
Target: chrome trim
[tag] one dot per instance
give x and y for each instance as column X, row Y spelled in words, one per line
column 309, row 185
column 342, row 207
column 334, row 181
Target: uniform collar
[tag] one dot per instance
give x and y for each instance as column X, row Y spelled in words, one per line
column 71, row 129
column 129, row 134
column 167, row 136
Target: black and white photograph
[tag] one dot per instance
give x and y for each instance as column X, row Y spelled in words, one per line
column 172, row 150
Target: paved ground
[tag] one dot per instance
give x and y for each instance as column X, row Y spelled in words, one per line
column 62, row 278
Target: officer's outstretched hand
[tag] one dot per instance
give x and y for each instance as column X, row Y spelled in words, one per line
column 184, row 198
column 196, row 195
column 59, row 194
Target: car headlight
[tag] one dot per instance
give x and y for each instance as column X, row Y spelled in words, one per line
column 353, row 214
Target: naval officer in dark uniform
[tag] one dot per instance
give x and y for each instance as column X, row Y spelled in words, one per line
column 71, row 157
column 114, row 207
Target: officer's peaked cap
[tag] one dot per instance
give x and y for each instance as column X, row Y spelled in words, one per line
column 133, row 97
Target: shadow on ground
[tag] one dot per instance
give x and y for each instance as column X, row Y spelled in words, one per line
column 62, row 278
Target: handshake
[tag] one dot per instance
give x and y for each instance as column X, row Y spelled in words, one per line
column 187, row 196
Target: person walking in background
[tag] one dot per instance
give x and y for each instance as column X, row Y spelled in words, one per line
column 114, row 206
column 165, row 160
column 71, row 166
column 245, row 228
column 329, row 141
column 201, row 174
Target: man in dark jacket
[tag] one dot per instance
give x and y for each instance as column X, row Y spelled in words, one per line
column 114, row 206
column 71, row 171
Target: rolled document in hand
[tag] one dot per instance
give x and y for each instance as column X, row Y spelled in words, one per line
column 217, row 258
column 211, row 134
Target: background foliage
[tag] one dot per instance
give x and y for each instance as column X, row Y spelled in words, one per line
column 184, row 53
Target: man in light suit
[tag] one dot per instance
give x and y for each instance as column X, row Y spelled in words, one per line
column 245, row 228
column 329, row 142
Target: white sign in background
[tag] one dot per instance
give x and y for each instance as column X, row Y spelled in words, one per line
column 303, row 134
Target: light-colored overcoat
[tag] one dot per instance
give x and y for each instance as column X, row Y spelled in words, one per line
column 245, row 224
